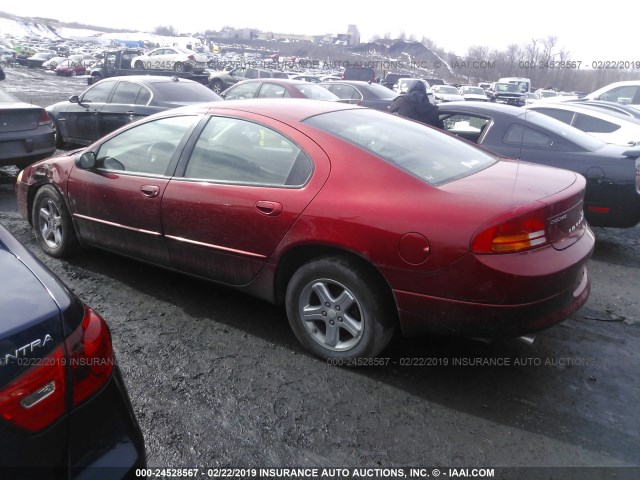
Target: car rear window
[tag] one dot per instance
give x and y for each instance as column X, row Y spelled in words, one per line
column 315, row 92
column 422, row 151
column 572, row 134
column 381, row 92
column 184, row 92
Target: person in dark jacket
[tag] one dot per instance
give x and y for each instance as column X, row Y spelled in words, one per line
column 415, row 105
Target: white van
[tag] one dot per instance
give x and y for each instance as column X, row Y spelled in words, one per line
column 523, row 83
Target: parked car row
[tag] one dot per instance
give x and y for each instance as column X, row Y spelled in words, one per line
column 445, row 238
column 112, row 103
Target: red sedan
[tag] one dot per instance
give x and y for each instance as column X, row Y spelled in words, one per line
column 356, row 220
column 70, row 68
column 277, row 88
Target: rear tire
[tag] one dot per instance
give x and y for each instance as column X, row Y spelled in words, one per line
column 178, row 67
column 339, row 310
column 52, row 223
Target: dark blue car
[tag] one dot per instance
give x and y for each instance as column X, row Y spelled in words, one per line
column 64, row 408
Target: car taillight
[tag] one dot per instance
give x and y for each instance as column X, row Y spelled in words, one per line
column 516, row 231
column 37, row 398
column 90, row 356
column 192, row 58
column 44, row 119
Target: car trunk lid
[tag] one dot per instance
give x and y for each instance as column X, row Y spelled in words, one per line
column 19, row 117
column 558, row 199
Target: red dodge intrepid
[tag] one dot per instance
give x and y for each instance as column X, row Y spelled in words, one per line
column 356, row 220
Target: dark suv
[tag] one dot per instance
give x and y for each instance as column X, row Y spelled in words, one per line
column 391, row 78
column 366, row 74
column 219, row 81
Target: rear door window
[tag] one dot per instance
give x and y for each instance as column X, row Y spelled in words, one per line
column 130, row 94
column 587, row 123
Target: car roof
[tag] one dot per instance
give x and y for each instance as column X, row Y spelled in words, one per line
column 360, row 83
column 149, row 79
column 608, row 87
column 483, row 107
column 578, row 108
column 283, row 109
column 281, row 81
column 612, row 107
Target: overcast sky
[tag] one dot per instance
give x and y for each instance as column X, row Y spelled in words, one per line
column 601, row 32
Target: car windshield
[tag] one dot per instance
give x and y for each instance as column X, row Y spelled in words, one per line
column 184, row 92
column 572, row 134
column 474, row 91
column 548, row 93
column 315, row 92
column 424, row 152
column 506, row 87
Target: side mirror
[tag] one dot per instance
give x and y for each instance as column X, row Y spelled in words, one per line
column 74, row 99
column 87, row 161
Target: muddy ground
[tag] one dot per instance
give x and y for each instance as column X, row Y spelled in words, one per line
column 217, row 378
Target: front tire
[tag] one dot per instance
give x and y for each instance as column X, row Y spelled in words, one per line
column 216, row 86
column 52, row 223
column 339, row 309
column 139, row 65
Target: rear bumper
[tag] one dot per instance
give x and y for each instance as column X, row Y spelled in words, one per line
column 23, row 149
column 450, row 317
column 117, row 448
column 516, row 299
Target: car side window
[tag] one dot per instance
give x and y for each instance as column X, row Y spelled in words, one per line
column 270, row 90
column 231, row 150
column 238, row 72
column 243, row 90
column 130, row 93
column 346, row 92
column 587, row 123
column 519, row 135
column 564, row 116
column 99, row 93
column 466, row 126
column 145, row 149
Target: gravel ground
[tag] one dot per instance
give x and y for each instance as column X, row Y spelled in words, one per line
column 217, row 378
